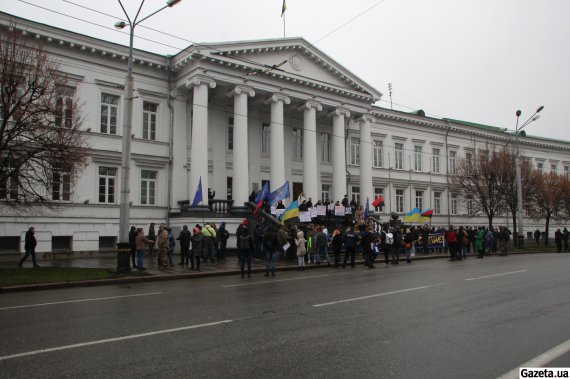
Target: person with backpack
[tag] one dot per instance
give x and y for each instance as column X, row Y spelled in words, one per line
column 409, row 245
column 244, row 243
column 349, row 240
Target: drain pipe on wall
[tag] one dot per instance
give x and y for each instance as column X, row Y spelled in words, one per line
column 347, row 126
column 447, row 174
column 170, row 140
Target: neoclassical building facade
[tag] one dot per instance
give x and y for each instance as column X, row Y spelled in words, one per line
column 235, row 115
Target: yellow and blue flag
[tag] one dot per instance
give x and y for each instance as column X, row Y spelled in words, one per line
column 292, row 211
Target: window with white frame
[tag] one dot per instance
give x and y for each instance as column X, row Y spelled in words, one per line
column 9, row 182
column 354, row 151
column 553, row 168
column 378, row 192
column 435, row 163
column 539, row 166
column 148, row 187
column 109, row 111
column 566, row 171
column 61, row 185
column 64, row 107
column 377, row 154
column 230, row 133
column 417, row 158
column 469, row 204
column 297, row 143
column 325, row 192
column 399, row 156
column 400, row 200
column 265, row 138
column 325, row 147
column 355, row 194
column 452, row 162
column 107, row 184
column 437, row 202
column 453, row 204
column 420, row 200
column 150, row 114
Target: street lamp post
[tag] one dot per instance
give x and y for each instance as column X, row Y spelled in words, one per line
column 534, row 117
column 124, row 218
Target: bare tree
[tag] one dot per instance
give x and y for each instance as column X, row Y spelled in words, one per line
column 477, row 181
column 42, row 149
column 546, row 197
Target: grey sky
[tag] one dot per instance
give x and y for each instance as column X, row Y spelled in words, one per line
column 477, row 61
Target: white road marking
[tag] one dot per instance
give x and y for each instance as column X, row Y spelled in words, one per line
column 492, row 276
column 541, row 360
column 109, row 340
column 81, row 300
column 275, row 281
column 373, row 296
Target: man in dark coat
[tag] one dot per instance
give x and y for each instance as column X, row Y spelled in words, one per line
column 30, row 247
column 184, row 238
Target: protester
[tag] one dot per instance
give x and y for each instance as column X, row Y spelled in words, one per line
column 558, row 240
column 209, row 235
column 197, row 248
column 184, row 238
column 141, row 243
column 30, row 244
column 366, row 241
column 565, row 235
column 162, row 247
column 244, row 243
column 350, row 241
column 321, row 245
column 151, row 237
column 301, row 249
column 479, row 237
column 171, row 246
column 132, row 245
column 336, row 243
column 271, row 246
column 451, row 240
column 223, row 236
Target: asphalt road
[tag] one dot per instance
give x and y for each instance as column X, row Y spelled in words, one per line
column 428, row 319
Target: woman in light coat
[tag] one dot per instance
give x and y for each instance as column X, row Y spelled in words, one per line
column 301, row 249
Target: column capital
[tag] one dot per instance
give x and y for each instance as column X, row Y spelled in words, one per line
column 365, row 118
column 310, row 104
column 340, row 111
column 200, row 80
column 278, row 97
column 239, row 89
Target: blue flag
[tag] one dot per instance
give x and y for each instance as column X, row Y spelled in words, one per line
column 198, row 196
column 263, row 193
column 280, row 193
column 367, row 209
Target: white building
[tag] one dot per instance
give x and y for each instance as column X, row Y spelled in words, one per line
column 217, row 112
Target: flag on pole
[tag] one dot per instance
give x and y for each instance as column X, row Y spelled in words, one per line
column 263, row 193
column 280, row 193
column 413, row 216
column 198, row 196
column 427, row 213
column 283, row 8
column 367, row 209
column 291, row 212
column 379, row 202
column 258, row 208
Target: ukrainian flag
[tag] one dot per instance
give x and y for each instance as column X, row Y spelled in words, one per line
column 413, row 216
column 291, row 212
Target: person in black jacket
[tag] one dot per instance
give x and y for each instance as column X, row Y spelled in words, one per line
column 223, row 234
column 366, row 240
column 184, row 238
column 133, row 245
column 244, row 244
column 350, row 240
column 270, row 246
column 30, row 247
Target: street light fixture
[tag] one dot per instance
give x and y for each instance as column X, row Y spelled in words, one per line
column 534, row 117
column 128, row 117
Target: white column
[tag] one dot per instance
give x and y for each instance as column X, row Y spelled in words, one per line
column 366, row 191
column 339, row 153
column 179, row 151
column 310, row 172
column 240, row 165
column 277, row 144
column 199, row 149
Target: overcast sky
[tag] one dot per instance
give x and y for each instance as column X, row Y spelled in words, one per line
column 477, row 61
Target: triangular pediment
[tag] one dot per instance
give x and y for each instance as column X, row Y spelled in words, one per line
column 290, row 59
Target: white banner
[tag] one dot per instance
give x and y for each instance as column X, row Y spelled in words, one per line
column 348, row 210
column 305, row 216
column 321, row 210
column 313, row 212
column 273, row 209
column 279, row 212
column 339, row 210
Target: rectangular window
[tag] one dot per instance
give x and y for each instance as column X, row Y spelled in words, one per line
column 61, row 243
column 377, row 155
column 9, row 182
column 553, row 168
column 10, row 244
column 229, row 187
column 150, row 112
column 470, row 211
column 297, row 143
column 355, row 194
column 454, row 204
column 107, row 182
column 436, row 168
column 400, row 201
column 64, row 108
column 437, row 203
column 325, row 147
column 230, row 134
column 148, row 187
column 539, row 166
column 566, row 171
column 325, row 192
column 265, row 138
column 109, row 111
column 399, row 156
column 354, row 151
column 420, row 200
column 61, row 186
column 107, row 242
column 378, row 192
column 417, row 158
column 452, row 162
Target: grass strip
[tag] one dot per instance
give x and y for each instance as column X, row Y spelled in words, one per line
column 25, row 276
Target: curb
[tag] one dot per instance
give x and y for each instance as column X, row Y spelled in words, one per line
column 193, row 275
